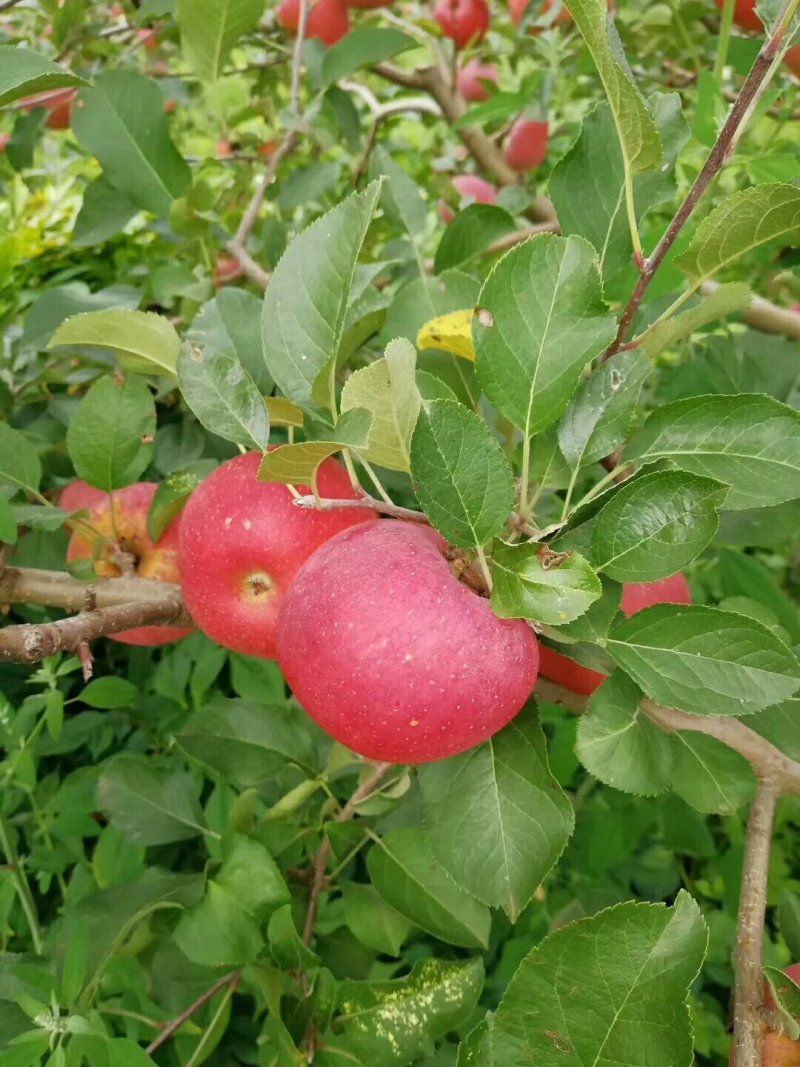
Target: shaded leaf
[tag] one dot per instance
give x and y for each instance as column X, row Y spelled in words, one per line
column 23, row 73
column 231, row 324
column 470, row 232
column 110, row 435
column 223, row 396
column 297, row 464
column 708, row 775
column 210, row 28
column 144, row 343
column 150, row 804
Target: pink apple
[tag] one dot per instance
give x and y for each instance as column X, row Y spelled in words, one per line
column 526, row 145
column 78, row 495
column 393, row 656
column 242, row 542
column 328, row 20
column 470, row 78
column 462, row 20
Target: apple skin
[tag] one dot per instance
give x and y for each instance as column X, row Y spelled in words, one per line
column 468, row 185
column 462, row 20
column 328, row 20
column 78, row 496
column 58, row 102
column 470, row 77
column 394, row 657
column 226, row 269
column 579, row 679
column 526, row 145
column 242, row 542
column 779, row 1051
column 745, row 15
column 157, row 561
column 792, row 60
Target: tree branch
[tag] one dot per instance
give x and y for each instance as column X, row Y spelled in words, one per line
column 763, row 315
column 363, row 501
column 171, row 1028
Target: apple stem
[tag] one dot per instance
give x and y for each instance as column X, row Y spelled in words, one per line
column 364, row 501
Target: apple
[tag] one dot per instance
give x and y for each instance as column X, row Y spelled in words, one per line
column 147, row 38
column 470, row 78
column 328, row 20
column 266, row 149
column 792, row 60
column 392, row 655
column 242, row 542
column 635, row 597
column 468, row 186
column 226, row 269
column 526, row 145
column 158, row 561
column 169, row 107
column 744, row 15
column 57, row 102
column 462, row 20
column 78, row 496
column 779, row 1051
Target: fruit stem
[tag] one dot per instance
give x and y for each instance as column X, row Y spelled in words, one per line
column 485, row 567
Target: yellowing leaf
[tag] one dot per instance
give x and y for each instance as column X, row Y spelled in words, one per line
column 283, row 412
column 449, row 333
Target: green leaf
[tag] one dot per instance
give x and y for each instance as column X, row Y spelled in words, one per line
column 789, row 921
column 618, row 744
column 210, row 28
column 724, row 301
column 171, row 495
column 780, row 725
column 246, row 743
column 297, row 464
column 103, row 214
column 19, row 462
column 392, row 1023
column 144, row 343
column 600, row 417
column 23, row 73
column 636, row 129
column 470, row 232
column 786, row 994
column 741, row 223
column 704, row 660
column 655, row 524
column 285, row 943
column 121, row 122
column 408, row 876
column 150, row 804
column 231, row 324
column 744, row 575
column 461, row 477
column 542, row 319
column 749, row 442
column 361, row 48
column 496, row 818
column 401, row 198
column 110, row 435
column 306, row 305
column 527, row 585
column 375, row 923
column 8, row 524
column 708, row 775
column 387, row 388
column 110, row 692
column 608, row 989
column 223, row 396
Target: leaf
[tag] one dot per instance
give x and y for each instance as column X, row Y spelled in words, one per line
column 541, row 320
column 8, row 524
column 246, row 743
column 609, row 989
column 103, row 214
column 171, row 495
column 121, row 122
column 780, row 725
column 23, row 73
column 283, row 412
column 461, row 477
column 231, row 324
column 724, row 301
column 656, row 524
column 786, row 994
column 62, row 301
column 749, row 442
column 375, row 923
column 401, row 198
column 789, row 921
column 741, row 223
column 286, row 945
column 470, row 232
column 392, row 1023
column 744, row 575
column 527, row 586
column 361, row 48
column 619, row 745
column 387, row 389
column 144, row 343
column 306, row 305
column 600, row 417
column 704, row 660
column 496, row 818
column 708, row 775
column 210, row 28
column 449, row 333
column 298, row 464
column 223, row 396
column 636, row 129
column 110, row 435
column 405, row 872
column 150, row 804
column 109, row 692
column 19, row 462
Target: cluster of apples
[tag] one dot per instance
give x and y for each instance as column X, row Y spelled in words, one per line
column 745, row 17
column 328, row 20
column 380, row 641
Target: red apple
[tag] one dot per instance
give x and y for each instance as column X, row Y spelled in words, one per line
column 328, row 20
column 792, row 60
column 526, row 145
column 242, row 542
column 223, row 148
column 148, row 38
column 745, row 15
column 78, row 496
column 266, row 149
column 580, row 679
column 779, row 1051
column 468, row 186
column 462, row 20
column 393, row 656
column 470, row 78
column 226, row 269
column 169, row 107
column 58, row 102
column 158, row 561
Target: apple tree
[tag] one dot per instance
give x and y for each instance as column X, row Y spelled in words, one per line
column 399, row 533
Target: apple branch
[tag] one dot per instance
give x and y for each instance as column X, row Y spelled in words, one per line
column 231, row 980
column 363, row 501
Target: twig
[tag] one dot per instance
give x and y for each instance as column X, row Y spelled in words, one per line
column 363, row 501
column 22, row 887
column 171, row 1028
column 763, row 315
column 748, row 1025
column 29, row 585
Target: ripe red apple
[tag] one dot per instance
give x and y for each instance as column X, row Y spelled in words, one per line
column 158, row 561
column 580, row 679
column 226, row 269
column 462, row 20
column 393, row 656
column 468, row 185
column 57, row 102
column 328, row 20
column 470, row 78
column 242, row 542
column 779, row 1051
column 745, row 15
column 148, row 38
column 792, row 60
column 78, row 496
column 526, row 145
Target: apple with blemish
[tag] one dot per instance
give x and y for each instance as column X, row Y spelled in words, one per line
column 241, row 543
column 470, row 79
column 328, row 20
column 463, row 21
column 392, row 655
